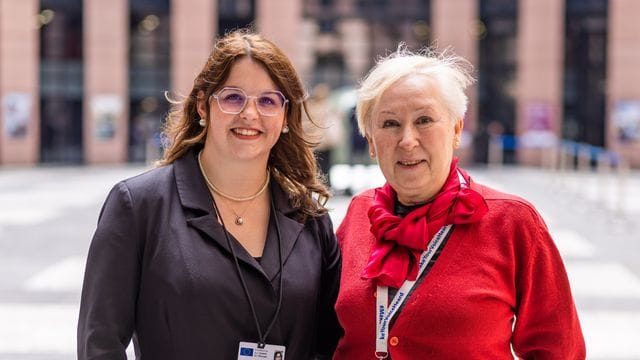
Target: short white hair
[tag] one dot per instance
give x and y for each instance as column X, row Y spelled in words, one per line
column 449, row 73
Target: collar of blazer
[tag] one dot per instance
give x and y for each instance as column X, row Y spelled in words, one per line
column 194, row 195
column 193, row 190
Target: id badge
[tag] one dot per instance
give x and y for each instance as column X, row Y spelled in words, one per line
column 250, row 350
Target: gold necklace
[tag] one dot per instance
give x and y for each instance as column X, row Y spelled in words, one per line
column 239, row 219
column 238, row 199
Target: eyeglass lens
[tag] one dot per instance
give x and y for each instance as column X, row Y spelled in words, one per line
column 233, row 101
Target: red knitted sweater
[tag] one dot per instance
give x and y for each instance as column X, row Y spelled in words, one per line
column 491, row 274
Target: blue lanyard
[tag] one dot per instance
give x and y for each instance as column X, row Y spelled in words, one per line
column 384, row 312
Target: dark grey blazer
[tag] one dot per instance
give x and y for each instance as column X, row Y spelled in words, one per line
column 159, row 269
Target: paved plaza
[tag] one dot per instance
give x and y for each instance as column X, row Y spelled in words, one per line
column 48, row 214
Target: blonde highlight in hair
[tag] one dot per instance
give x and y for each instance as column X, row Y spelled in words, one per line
column 451, row 75
column 291, row 160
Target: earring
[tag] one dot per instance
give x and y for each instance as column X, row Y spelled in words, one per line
column 285, row 129
column 202, row 122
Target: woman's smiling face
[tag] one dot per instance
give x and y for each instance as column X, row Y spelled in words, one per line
column 413, row 138
column 247, row 135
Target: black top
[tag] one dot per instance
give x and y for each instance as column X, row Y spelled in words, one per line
column 159, row 269
column 404, row 210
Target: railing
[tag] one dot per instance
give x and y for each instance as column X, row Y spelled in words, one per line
column 570, row 159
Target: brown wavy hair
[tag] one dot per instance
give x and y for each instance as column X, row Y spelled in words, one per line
column 291, row 161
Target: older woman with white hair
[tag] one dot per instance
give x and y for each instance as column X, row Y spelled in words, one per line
column 435, row 265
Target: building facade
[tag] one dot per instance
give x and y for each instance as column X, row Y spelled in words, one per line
column 84, row 81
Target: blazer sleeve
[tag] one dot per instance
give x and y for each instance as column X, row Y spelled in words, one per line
column 111, row 279
column 547, row 325
column 329, row 330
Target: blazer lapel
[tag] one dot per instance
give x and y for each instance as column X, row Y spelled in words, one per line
column 290, row 230
column 213, row 230
column 196, row 198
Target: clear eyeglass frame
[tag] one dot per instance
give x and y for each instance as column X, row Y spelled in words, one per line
column 263, row 110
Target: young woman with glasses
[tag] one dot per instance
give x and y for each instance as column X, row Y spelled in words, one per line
column 225, row 250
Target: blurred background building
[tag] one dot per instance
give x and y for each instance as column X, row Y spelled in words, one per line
column 83, row 81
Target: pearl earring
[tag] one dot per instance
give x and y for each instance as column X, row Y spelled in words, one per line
column 285, row 129
column 202, row 122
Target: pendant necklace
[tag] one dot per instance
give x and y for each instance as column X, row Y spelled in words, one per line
column 239, row 219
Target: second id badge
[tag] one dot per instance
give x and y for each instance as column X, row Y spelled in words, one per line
column 250, row 350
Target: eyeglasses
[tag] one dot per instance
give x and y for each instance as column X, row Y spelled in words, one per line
column 233, row 100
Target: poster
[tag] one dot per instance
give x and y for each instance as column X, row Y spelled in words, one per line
column 538, row 125
column 105, row 111
column 626, row 119
column 16, row 111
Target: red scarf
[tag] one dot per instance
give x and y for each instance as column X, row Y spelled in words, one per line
column 401, row 241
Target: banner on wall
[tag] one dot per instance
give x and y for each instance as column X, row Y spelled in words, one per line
column 626, row 119
column 538, row 125
column 16, row 111
column 105, row 110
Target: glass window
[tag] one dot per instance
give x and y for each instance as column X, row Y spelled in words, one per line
column 149, row 69
column 61, row 80
column 585, row 71
column 330, row 69
column 391, row 23
column 233, row 14
column 496, row 74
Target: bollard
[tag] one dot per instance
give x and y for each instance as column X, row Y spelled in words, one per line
column 495, row 151
column 552, row 164
column 584, row 158
column 546, row 158
column 603, row 168
column 554, row 151
column 564, row 163
column 623, row 174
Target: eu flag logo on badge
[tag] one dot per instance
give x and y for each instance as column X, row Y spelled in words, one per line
column 246, row 351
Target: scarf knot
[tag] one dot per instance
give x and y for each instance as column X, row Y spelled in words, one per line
column 400, row 241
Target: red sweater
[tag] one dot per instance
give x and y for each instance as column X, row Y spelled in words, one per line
column 502, row 270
